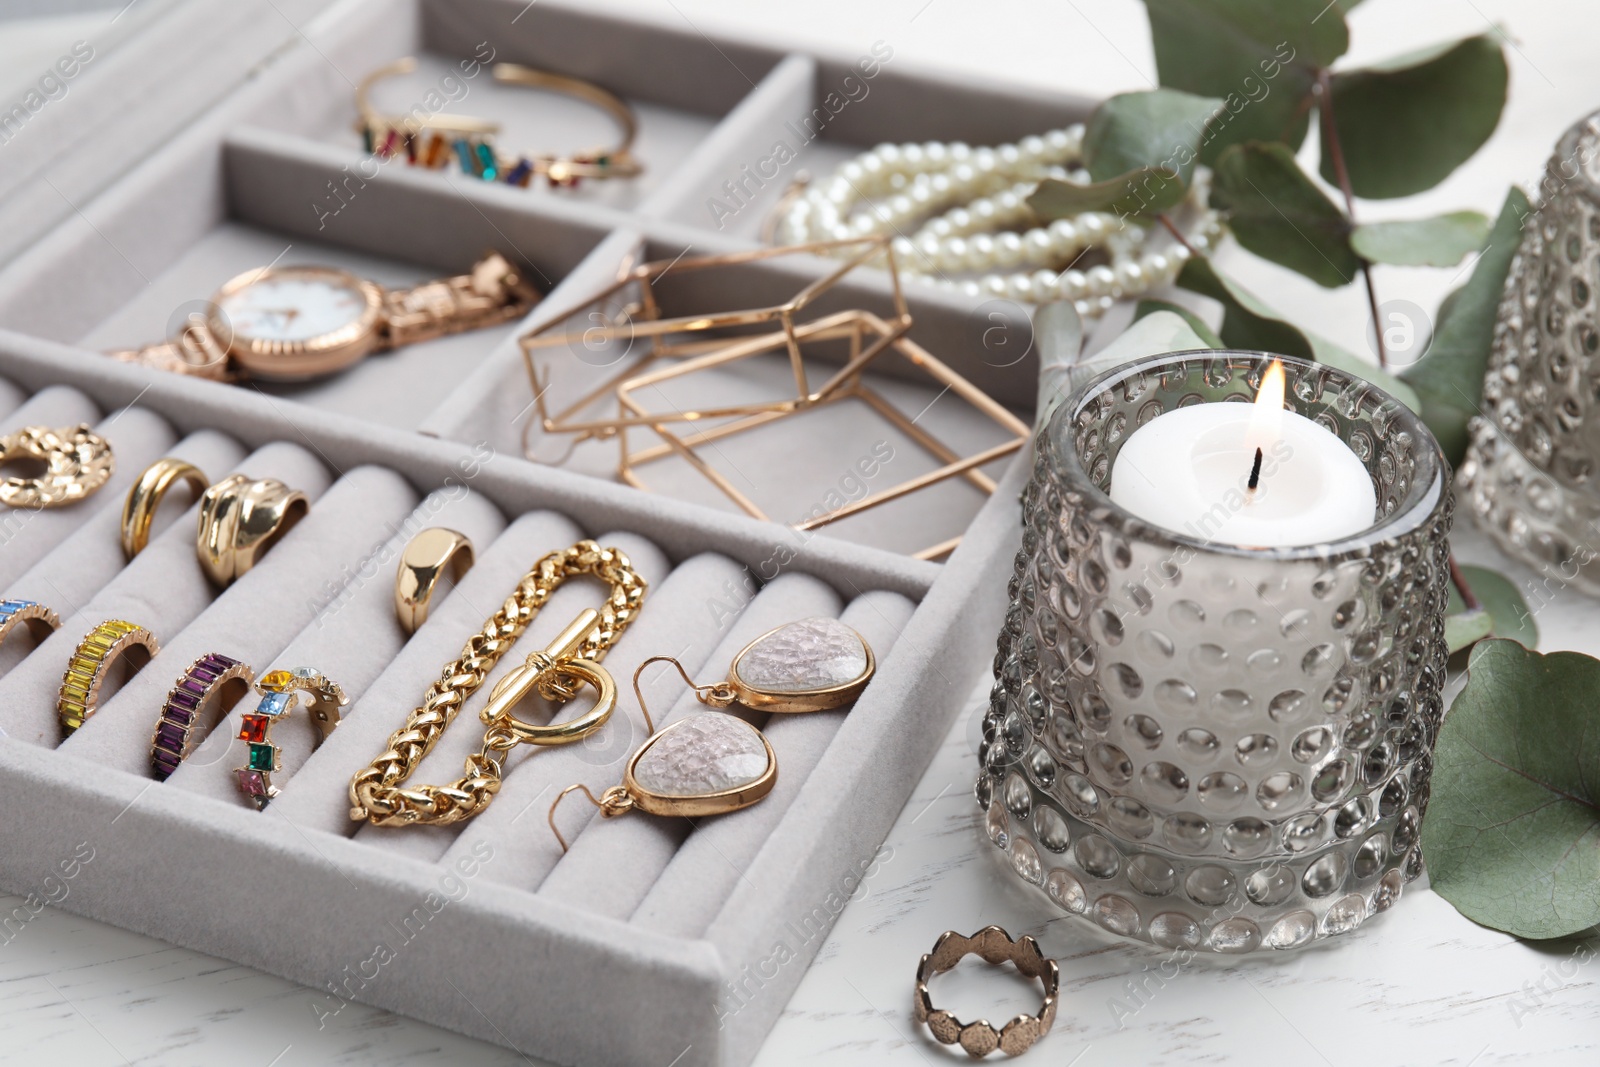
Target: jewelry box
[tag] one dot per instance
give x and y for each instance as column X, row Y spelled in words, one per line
column 647, row 940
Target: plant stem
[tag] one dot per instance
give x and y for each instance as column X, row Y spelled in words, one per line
column 1330, row 131
column 1460, row 580
column 1177, row 234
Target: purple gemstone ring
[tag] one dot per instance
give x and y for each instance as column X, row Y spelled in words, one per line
column 212, row 680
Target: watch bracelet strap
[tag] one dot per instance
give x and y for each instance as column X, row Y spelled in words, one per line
column 195, row 353
column 494, row 292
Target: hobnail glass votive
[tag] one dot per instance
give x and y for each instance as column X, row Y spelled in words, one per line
column 1206, row 746
column 1531, row 478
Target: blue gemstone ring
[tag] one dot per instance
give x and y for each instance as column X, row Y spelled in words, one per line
column 40, row 620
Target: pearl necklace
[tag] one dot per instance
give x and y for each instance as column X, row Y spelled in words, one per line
column 972, row 192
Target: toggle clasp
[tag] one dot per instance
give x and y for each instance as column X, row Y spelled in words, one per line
column 557, row 674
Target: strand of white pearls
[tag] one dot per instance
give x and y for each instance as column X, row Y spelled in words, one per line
column 974, row 201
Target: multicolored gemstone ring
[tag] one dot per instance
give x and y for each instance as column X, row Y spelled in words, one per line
column 39, row 620
column 281, row 692
column 211, row 677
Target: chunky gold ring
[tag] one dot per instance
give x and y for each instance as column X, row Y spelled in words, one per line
column 78, row 462
column 40, row 620
column 422, row 565
column 240, row 518
column 91, row 662
column 468, row 141
column 280, row 694
column 145, row 497
column 995, row 946
column 210, row 679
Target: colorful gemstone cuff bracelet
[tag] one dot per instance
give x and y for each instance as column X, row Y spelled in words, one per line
column 40, row 620
column 438, row 140
column 280, row 694
column 91, row 661
column 176, row 734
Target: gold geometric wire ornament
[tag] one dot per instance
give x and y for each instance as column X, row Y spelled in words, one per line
column 690, row 344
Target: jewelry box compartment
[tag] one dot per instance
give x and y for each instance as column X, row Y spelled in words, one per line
column 489, row 929
column 792, row 468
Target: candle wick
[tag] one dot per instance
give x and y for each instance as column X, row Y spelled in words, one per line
column 1255, row 471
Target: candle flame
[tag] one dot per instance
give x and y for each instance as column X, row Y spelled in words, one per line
column 1267, row 418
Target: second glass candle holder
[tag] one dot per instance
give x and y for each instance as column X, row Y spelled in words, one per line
column 1209, row 746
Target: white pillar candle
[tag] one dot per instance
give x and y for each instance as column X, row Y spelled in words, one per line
column 1189, row 470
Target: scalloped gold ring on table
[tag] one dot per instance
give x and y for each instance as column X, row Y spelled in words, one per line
column 146, row 495
column 240, row 519
column 980, row 1038
column 78, row 462
column 424, row 562
column 91, row 662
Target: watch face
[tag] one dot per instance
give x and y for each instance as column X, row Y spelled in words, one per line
column 297, row 322
column 293, row 307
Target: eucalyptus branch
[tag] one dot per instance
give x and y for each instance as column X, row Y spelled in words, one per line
column 1467, row 598
column 1178, row 235
column 1336, row 153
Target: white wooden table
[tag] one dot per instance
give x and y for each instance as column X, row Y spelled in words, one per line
column 1420, row 985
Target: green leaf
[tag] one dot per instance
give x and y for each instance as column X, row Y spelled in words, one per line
column 1507, row 612
column 1449, row 378
column 1196, row 323
column 1406, row 124
column 1159, row 128
column 1467, row 628
column 1278, row 213
column 1440, row 241
column 1259, row 57
column 1143, row 191
column 1512, row 833
column 1249, row 324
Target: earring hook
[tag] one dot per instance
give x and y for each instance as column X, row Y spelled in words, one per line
column 613, row 802
column 719, row 695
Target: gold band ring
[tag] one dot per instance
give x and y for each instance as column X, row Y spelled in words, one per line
column 240, row 518
column 422, row 564
column 91, row 662
column 145, row 497
column 78, row 462
column 468, row 141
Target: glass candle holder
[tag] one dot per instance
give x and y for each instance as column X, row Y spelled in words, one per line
column 1531, row 478
column 1207, row 746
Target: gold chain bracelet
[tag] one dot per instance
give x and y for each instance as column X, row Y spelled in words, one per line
column 557, row 672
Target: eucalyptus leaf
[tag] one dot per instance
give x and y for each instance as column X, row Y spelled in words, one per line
column 1512, row 833
column 1449, row 379
column 1249, row 324
column 1501, row 601
column 1157, row 128
column 1277, row 212
column 1404, row 125
column 1140, row 192
column 1259, row 57
column 1196, row 323
column 1440, row 241
column 1467, row 628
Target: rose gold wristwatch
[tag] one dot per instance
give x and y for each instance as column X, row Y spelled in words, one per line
column 298, row 323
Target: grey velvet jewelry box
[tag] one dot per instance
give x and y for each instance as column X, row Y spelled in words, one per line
column 648, row 941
